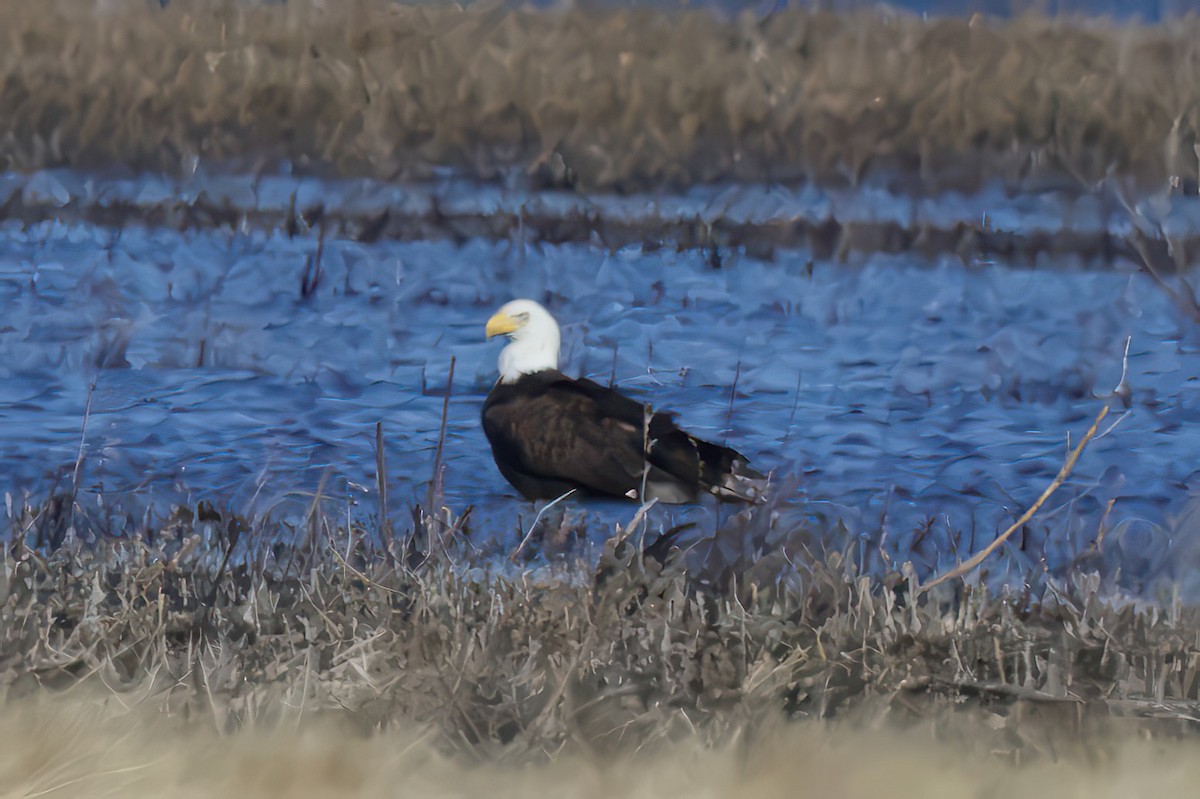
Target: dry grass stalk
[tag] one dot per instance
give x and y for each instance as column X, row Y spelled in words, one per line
column 516, row 553
column 1063, row 473
column 630, row 655
column 385, row 523
column 434, row 498
column 599, row 99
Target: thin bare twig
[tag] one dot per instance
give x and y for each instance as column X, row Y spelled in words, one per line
column 795, row 404
column 385, row 524
column 1067, row 467
column 1147, row 252
column 435, row 485
column 345, row 564
column 647, row 415
column 642, row 510
column 737, row 373
column 87, row 414
column 1102, row 528
column 520, row 547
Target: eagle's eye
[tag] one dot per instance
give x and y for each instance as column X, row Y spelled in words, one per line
column 522, row 317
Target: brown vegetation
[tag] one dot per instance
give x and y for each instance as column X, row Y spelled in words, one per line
column 621, row 98
column 216, row 623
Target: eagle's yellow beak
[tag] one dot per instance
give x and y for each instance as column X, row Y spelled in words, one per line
column 501, row 324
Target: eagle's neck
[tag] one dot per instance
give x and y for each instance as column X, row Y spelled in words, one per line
column 525, row 356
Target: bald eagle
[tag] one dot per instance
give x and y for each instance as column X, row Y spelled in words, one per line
column 551, row 434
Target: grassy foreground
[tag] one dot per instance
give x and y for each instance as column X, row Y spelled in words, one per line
column 91, row 746
column 205, row 654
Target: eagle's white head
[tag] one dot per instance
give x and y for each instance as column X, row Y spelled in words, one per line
column 533, row 339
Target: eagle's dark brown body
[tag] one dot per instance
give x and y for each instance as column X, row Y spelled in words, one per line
column 551, row 434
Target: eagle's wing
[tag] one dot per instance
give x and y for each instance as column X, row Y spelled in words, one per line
column 564, row 431
column 680, row 461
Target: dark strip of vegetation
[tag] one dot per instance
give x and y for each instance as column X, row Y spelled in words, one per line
column 823, row 236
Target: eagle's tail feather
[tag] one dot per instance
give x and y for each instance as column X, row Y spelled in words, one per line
column 726, row 473
column 740, row 483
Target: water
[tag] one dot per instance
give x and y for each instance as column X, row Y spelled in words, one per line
column 894, row 389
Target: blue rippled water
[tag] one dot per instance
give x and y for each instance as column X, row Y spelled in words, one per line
column 895, row 391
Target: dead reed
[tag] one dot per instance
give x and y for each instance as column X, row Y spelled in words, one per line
column 202, row 619
column 616, row 99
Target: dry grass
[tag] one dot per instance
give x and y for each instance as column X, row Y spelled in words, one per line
column 211, row 623
column 614, row 99
column 92, row 746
